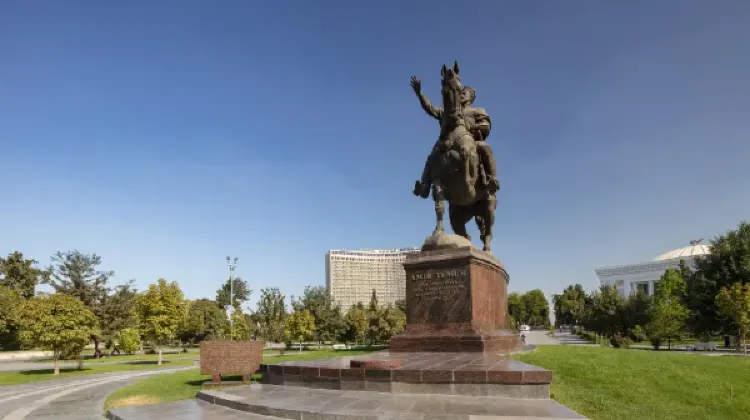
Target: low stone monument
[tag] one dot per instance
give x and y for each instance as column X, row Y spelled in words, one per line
column 226, row 357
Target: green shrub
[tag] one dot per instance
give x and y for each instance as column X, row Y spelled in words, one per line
column 637, row 334
column 588, row 335
column 617, row 341
column 129, row 340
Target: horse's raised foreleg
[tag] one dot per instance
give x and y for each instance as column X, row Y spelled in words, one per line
column 439, row 197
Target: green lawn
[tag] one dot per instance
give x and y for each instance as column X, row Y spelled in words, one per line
column 25, row 376
column 604, row 383
column 184, row 385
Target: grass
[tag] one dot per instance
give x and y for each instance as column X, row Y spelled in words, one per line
column 604, row 383
column 26, row 376
column 184, row 385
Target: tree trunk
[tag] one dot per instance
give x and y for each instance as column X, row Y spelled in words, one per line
column 300, row 346
column 160, row 361
column 669, row 343
column 56, row 355
column 742, row 341
column 96, row 347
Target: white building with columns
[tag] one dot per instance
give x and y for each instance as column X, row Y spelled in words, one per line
column 644, row 276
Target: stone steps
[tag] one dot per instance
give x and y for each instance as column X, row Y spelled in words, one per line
column 185, row 410
column 305, row 403
column 567, row 338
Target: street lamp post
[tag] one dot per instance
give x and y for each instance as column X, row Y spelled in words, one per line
column 232, row 263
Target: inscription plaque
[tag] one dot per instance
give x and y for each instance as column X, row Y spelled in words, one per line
column 438, row 296
column 223, row 357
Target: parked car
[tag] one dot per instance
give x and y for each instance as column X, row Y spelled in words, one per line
column 525, row 328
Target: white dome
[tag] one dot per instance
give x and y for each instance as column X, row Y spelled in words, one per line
column 688, row 251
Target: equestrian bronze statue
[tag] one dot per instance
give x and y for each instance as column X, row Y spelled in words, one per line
column 461, row 167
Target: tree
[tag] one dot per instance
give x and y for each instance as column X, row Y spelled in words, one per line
column 329, row 323
column 537, row 308
column 75, row 274
column 401, row 305
column 605, row 313
column 668, row 312
column 358, row 323
column 734, row 303
column 271, row 315
column 10, row 303
column 727, row 264
column 392, row 322
column 517, row 308
column 19, row 274
column 300, row 326
column 58, row 323
column 204, row 320
column 636, row 315
column 160, row 312
column 240, row 290
column 570, row 306
column 374, row 301
column 240, row 328
column 128, row 340
column 118, row 311
column 375, row 320
column 561, row 316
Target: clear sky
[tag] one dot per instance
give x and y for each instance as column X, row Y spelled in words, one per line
column 165, row 135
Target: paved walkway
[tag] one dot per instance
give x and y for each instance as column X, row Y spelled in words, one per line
column 539, row 338
column 80, row 398
column 565, row 337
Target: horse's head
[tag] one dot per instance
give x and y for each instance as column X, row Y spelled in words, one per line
column 451, row 87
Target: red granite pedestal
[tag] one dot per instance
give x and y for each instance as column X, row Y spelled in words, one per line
column 456, row 301
column 456, row 340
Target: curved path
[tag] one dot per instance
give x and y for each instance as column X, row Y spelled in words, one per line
column 79, row 398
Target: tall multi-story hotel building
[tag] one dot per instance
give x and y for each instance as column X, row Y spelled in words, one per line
column 352, row 275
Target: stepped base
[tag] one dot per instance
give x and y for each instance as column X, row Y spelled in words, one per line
column 474, row 374
column 456, row 342
column 189, row 409
column 284, row 402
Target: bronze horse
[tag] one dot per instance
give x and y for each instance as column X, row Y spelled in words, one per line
column 455, row 172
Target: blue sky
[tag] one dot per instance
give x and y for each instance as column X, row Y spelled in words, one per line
column 166, row 135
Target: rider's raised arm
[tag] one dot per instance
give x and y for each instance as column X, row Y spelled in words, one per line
column 482, row 123
column 432, row 111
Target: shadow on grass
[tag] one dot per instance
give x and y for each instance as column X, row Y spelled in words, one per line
column 52, row 371
column 256, row 377
column 145, row 362
column 90, row 368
